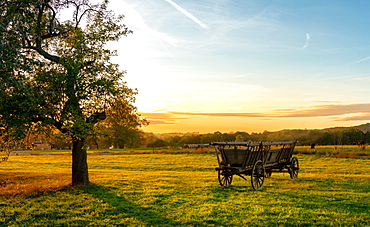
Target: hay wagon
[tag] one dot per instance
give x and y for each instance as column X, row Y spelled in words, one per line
column 255, row 159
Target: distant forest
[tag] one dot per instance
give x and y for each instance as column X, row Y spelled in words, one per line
column 331, row 136
column 304, row 137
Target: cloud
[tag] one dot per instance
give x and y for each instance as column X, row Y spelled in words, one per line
column 307, row 40
column 167, row 49
column 135, row 21
column 364, row 117
column 361, row 60
column 314, row 111
column 220, row 114
column 340, row 77
column 157, row 118
column 186, row 13
column 330, row 110
column 160, row 122
column 362, row 78
column 359, row 111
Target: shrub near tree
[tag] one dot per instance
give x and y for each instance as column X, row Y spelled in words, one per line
column 57, row 73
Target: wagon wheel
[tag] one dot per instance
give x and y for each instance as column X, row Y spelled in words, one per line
column 225, row 177
column 258, row 175
column 294, row 167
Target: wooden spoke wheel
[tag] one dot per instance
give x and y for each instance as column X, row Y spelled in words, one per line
column 294, row 167
column 258, row 175
column 225, row 177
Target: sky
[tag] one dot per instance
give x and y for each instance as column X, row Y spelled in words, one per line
column 242, row 65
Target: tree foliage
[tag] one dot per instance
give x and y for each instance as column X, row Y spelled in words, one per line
column 57, row 73
column 121, row 127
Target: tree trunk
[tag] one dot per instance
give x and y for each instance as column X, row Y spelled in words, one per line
column 80, row 174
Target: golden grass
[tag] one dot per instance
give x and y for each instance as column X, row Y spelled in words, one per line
column 336, row 151
column 180, row 190
column 31, row 184
column 31, row 175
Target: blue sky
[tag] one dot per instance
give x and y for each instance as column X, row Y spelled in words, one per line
column 222, row 65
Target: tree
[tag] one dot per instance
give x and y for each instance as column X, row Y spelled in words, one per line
column 239, row 138
column 367, row 137
column 121, row 128
column 58, row 74
column 158, row 143
column 353, row 135
column 337, row 137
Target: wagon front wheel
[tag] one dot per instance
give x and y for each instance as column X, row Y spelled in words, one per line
column 225, row 177
column 294, row 167
column 258, row 175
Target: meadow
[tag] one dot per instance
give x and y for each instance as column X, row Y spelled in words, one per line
column 179, row 189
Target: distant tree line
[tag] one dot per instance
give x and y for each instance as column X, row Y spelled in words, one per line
column 133, row 138
column 305, row 137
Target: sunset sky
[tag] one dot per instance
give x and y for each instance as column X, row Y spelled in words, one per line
column 240, row 65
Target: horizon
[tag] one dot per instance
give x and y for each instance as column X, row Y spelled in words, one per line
column 246, row 65
column 329, row 128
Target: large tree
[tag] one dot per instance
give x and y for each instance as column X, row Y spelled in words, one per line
column 55, row 70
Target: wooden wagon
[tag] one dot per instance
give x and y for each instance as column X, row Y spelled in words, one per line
column 255, row 159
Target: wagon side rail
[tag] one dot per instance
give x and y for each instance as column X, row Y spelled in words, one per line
column 231, row 157
column 257, row 152
column 280, row 153
column 245, row 154
column 240, row 155
column 219, row 157
column 286, row 152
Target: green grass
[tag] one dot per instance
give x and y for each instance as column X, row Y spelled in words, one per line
column 180, row 190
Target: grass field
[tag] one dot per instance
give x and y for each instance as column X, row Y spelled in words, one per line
column 339, row 151
column 180, row 190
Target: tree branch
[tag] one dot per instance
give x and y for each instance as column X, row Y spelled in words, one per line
column 51, row 35
column 39, row 37
column 55, row 123
column 43, row 53
column 96, row 117
column 52, row 19
column 88, row 63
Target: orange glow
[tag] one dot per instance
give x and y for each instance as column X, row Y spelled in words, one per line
column 167, row 122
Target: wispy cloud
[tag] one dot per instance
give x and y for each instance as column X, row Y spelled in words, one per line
column 307, row 41
column 167, row 49
column 220, row 114
column 186, row 13
column 361, row 60
column 157, row 118
column 362, row 78
column 330, row 110
column 337, row 77
column 356, row 77
column 142, row 32
column 359, row 111
column 363, row 117
column 342, row 67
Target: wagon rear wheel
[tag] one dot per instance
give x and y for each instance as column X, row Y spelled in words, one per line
column 225, row 177
column 258, row 175
column 294, row 167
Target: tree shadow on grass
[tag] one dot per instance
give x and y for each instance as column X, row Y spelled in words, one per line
column 129, row 209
